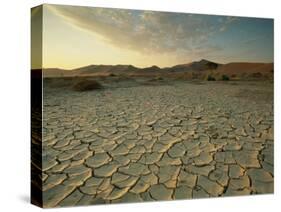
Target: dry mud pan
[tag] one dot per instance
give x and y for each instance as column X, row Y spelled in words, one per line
column 134, row 142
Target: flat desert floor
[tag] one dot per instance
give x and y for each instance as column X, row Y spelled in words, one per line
column 139, row 140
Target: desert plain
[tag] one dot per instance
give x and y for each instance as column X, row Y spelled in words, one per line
column 155, row 138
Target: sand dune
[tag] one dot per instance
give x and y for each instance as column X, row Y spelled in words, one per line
column 238, row 68
column 202, row 68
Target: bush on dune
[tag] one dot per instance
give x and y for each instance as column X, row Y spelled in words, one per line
column 87, row 85
column 225, row 78
column 112, row 75
column 211, row 78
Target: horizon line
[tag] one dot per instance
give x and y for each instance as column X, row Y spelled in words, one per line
column 92, row 64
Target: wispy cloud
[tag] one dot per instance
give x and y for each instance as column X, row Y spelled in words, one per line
column 178, row 37
column 225, row 22
column 147, row 31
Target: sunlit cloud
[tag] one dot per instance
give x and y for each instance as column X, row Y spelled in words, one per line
column 147, row 31
column 157, row 38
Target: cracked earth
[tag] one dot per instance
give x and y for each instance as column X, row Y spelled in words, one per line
column 178, row 140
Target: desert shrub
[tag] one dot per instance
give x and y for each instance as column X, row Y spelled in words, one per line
column 211, row 78
column 225, row 77
column 185, row 76
column 195, row 75
column 87, row 85
column 256, row 75
column 158, row 78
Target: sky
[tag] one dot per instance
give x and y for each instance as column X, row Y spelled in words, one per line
column 79, row 36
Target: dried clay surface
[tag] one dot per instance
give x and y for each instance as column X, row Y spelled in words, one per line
column 134, row 142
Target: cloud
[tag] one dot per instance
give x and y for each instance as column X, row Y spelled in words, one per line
column 148, row 32
column 226, row 22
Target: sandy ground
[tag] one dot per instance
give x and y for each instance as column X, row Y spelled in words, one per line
column 135, row 141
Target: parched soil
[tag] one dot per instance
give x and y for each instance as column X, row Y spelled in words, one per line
column 134, row 141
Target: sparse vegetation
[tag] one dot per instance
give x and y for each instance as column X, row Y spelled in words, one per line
column 195, row 75
column 225, row 77
column 211, row 78
column 256, row 75
column 156, row 79
column 87, row 85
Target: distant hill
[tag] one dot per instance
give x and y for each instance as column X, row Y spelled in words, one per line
column 151, row 68
column 189, row 70
column 105, row 69
column 201, row 65
column 91, row 70
column 56, row 72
